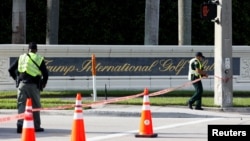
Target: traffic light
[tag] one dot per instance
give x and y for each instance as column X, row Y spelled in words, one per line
column 208, row 10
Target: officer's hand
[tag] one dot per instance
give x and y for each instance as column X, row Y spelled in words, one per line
column 44, row 85
column 205, row 76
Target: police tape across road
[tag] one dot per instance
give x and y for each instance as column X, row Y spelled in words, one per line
column 101, row 102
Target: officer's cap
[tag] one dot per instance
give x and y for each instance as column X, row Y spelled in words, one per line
column 32, row 45
column 199, row 54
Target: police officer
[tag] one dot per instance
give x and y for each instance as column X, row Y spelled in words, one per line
column 196, row 72
column 28, row 71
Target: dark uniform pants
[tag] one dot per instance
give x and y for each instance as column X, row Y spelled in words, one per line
column 197, row 96
column 29, row 91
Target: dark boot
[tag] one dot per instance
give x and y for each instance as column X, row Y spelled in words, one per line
column 19, row 129
column 190, row 105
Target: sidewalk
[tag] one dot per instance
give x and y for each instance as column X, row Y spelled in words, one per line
column 135, row 110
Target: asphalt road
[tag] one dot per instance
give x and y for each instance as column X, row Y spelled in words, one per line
column 121, row 123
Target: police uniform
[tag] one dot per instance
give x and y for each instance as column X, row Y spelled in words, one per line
column 28, row 75
column 193, row 75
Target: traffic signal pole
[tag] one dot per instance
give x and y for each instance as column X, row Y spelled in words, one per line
column 223, row 69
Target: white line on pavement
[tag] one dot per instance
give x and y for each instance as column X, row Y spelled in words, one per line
column 155, row 128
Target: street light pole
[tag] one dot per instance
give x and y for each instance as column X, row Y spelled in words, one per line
column 223, row 69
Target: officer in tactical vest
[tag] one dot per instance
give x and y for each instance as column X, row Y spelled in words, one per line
column 31, row 76
column 196, row 72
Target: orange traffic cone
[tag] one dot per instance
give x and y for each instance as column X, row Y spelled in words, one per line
column 146, row 125
column 28, row 131
column 78, row 131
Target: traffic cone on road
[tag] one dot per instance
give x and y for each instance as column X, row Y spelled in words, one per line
column 28, row 131
column 78, row 131
column 146, row 124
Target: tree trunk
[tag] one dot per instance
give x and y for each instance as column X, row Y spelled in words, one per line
column 52, row 21
column 152, row 12
column 184, row 23
column 19, row 22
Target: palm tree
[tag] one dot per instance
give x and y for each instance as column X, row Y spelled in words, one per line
column 52, row 21
column 152, row 12
column 19, row 22
column 184, row 23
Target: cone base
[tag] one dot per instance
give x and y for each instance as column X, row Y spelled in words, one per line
column 146, row 135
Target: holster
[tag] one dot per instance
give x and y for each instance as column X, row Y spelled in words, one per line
column 17, row 82
column 40, row 84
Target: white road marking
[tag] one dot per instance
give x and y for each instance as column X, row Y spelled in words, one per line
column 155, row 128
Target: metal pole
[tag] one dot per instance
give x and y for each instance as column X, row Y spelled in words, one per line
column 94, row 76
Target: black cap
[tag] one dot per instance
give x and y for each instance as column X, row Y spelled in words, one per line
column 199, row 54
column 32, row 45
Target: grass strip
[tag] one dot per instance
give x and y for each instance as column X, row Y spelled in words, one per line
column 154, row 101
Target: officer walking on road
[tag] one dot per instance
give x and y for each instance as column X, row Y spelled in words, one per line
column 196, row 72
column 31, row 75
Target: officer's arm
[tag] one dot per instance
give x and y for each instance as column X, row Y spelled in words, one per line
column 201, row 72
column 45, row 73
column 13, row 69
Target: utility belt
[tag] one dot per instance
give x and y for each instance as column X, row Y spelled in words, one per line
column 39, row 83
column 27, row 79
column 18, row 81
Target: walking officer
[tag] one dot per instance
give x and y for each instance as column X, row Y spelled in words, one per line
column 196, row 72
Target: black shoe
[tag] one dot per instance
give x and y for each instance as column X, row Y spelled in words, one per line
column 199, row 108
column 39, row 129
column 19, row 129
column 189, row 105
